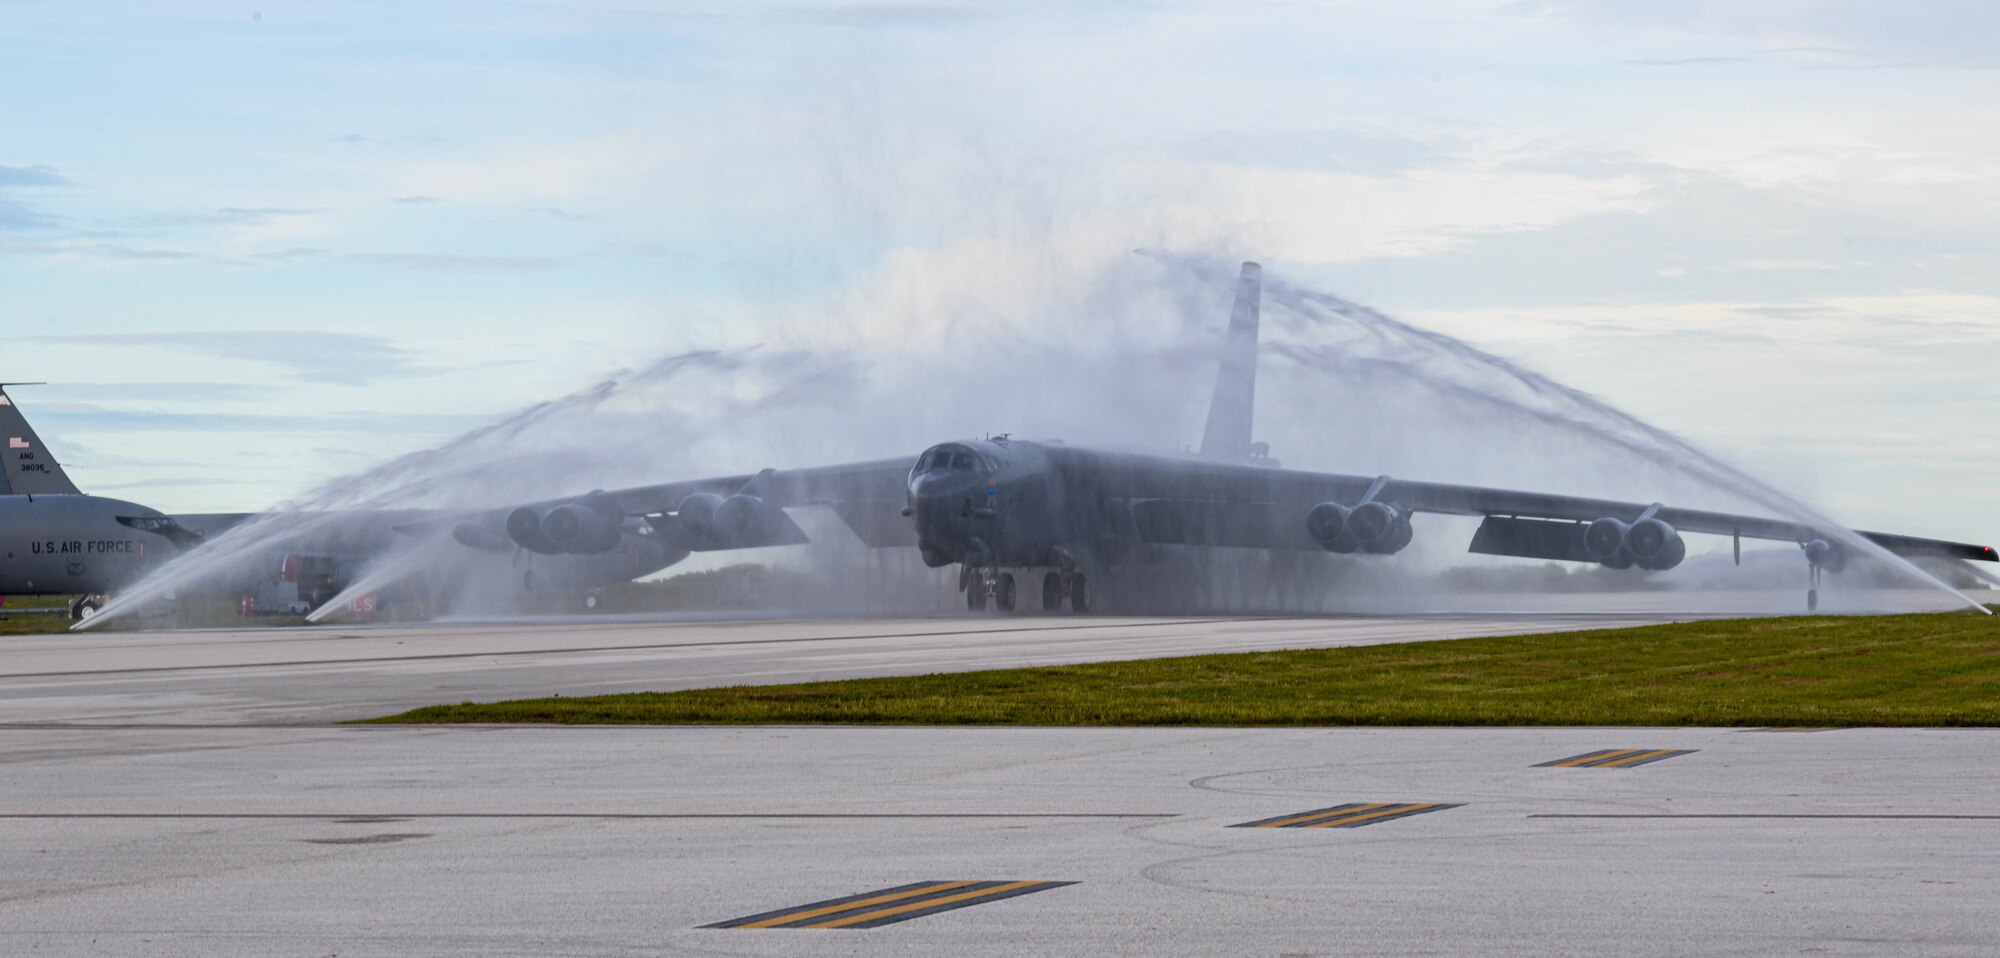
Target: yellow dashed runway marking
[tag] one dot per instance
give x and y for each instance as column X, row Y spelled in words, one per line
column 1616, row 758
column 1351, row 815
column 889, row 905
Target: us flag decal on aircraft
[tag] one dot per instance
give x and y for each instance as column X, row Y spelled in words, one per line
column 16, row 442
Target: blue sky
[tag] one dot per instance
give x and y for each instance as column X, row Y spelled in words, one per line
column 256, row 245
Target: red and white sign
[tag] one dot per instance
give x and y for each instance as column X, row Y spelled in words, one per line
column 362, row 605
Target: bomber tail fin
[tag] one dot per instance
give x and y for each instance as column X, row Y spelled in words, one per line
column 26, row 466
column 1232, row 409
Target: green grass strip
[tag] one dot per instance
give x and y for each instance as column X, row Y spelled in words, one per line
column 1898, row 670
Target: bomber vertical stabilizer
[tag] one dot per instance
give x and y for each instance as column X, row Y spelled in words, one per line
column 27, row 468
column 1231, row 410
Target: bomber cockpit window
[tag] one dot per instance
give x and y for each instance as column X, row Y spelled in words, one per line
column 951, row 459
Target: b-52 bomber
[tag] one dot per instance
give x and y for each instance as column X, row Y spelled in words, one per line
column 1134, row 531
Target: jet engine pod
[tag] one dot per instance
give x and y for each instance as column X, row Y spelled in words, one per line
column 1655, row 545
column 581, row 530
column 697, row 514
column 1604, row 541
column 738, row 515
column 524, row 526
column 1380, row 527
column 1326, row 522
column 1826, row 555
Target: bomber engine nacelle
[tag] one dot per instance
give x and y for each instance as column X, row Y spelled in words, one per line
column 1655, row 545
column 584, row 526
column 1604, row 542
column 1650, row 544
column 1326, row 523
column 1381, row 527
column 581, row 530
column 713, row 518
column 524, row 526
column 1372, row 526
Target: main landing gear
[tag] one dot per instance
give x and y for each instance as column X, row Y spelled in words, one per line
column 84, row 606
column 1057, row 586
column 1002, row 589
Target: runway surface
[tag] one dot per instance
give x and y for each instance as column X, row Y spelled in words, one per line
column 336, row 674
column 184, row 795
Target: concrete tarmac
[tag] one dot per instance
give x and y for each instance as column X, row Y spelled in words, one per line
column 276, row 676
column 183, row 795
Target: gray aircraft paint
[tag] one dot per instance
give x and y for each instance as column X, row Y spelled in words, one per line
column 27, row 467
column 1232, row 407
column 56, row 541
column 798, row 385
column 76, row 544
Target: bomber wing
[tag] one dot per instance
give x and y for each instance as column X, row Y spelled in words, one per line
column 1223, row 504
column 867, row 496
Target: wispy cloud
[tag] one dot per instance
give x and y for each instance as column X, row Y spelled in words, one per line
column 14, row 216
column 233, row 216
column 311, row 355
column 456, row 262
column 161, row 391
column 37, row 175
column 109, row 251
column 96, row 417
column 876, row 15
column 18, row 216
column 1688, row 61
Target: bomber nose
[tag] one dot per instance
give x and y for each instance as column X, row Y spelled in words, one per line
column 931, row 513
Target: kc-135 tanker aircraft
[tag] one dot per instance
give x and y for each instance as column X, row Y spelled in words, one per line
column 56, row 541
column 1102, row 528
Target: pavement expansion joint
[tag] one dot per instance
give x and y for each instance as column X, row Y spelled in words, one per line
column 885, row 906
column 1351, row 815
column 1617, row 758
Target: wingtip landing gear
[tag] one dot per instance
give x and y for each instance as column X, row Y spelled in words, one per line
column 1820, row 558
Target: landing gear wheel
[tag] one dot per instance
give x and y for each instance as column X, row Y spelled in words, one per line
column 85, row 606
column 1812, row 600
column 1052, row 592
column 1079, row 594
column 592, row 599
column 1003, row 593
column 975, row 595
